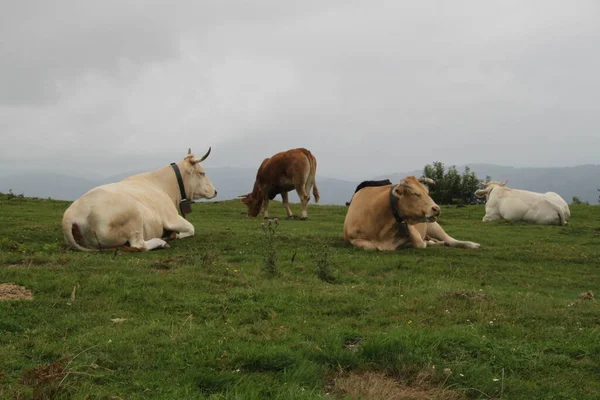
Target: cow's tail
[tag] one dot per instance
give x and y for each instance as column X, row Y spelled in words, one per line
column 313, row 173
column 74, row 236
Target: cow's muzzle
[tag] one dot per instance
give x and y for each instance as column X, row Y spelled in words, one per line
column 433, row 214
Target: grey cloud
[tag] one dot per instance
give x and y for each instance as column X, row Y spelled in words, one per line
column 369, row 87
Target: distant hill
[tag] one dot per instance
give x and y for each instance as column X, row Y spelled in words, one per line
column 581, row 181
column 230, row 183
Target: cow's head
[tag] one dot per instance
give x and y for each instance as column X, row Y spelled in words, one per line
column 414, row 203
column 197, row 185
column 488, row 187
column 253, row 201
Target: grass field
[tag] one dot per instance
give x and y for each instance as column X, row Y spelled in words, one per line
column 244, row 311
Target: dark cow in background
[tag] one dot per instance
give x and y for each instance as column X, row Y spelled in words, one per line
column 280, row 174
column 365, row 184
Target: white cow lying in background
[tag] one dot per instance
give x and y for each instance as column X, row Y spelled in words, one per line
column 514, row 204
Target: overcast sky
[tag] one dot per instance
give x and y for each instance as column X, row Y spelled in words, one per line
column 370, row 87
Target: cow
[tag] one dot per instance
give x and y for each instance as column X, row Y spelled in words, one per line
column 136, row 213
column 397, row 216
column 284, row 172
column 502, row 202
column 365, row 184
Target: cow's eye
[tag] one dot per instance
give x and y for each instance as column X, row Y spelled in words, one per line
column 202, row 173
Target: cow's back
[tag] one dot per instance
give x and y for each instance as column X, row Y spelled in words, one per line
column 368, row 213
column 285, row 168
column 516, row 204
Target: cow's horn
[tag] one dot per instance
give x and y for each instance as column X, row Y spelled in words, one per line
column 197, row 160
column 189, row 151
column 504, row 183
column 206, row 155
column 242, row 196
column 424, row 179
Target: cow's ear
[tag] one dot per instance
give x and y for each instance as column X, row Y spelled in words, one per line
column 398, row 190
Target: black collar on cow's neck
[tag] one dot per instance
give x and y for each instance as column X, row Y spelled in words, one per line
column 402, row 225
column 184, row 205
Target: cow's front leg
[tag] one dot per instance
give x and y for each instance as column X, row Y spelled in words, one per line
column 416, row 240
column 180, row 226
column 156, row 243
column 491, row 217
column 265, row 207
column 286, row 204
column 437, row 232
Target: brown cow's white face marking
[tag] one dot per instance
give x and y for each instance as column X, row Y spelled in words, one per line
column 415, row 203
column 254, row 204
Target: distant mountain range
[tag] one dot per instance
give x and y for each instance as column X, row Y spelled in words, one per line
column 581, row 181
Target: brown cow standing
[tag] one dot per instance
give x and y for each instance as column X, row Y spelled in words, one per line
column 284, row 172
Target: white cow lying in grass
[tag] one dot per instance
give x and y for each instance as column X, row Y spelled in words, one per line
column 522, row 205
column 137, row 213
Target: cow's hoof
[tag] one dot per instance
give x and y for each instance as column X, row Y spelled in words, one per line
column 265, row 217
column 165, row 246
column 303, row 218
column 290, row 217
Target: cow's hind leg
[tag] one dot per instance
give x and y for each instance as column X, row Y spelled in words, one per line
column 364, row 244
column 304, row 198
column 372, row 245
column 286, row 204
column 435, row 231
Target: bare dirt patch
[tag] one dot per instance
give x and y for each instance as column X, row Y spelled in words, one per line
column 10, row 291
column 167, row 264
column 589, row 295
column 377, row 386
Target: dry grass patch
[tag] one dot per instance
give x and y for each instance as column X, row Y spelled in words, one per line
column 462, row 294
column 589, row 295
column 376, row 386
column 10, row 291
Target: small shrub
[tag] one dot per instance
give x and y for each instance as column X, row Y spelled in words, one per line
column 324, row 270
column 210, row 259
column 10, row 195
column 270, row 250
column 8, row 244
column 577, row 200
column 45, row 380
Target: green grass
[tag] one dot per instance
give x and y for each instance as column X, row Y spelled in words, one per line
column 208, row 319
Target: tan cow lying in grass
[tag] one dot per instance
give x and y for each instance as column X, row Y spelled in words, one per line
column 396, row 216
column 135, row 213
